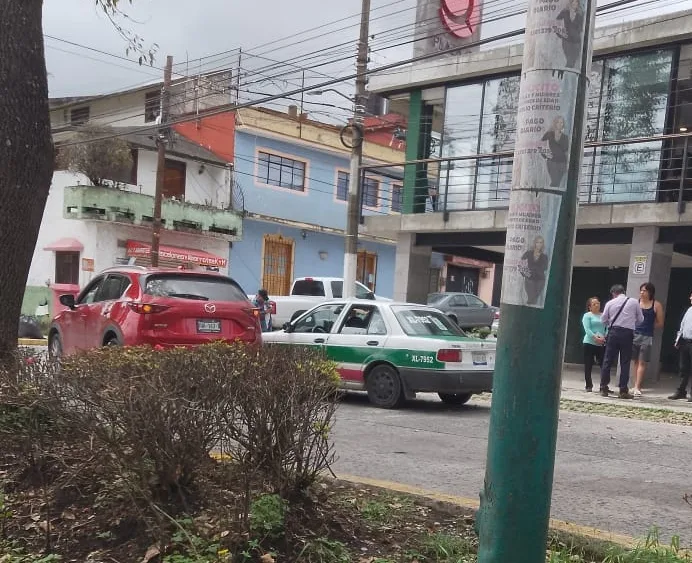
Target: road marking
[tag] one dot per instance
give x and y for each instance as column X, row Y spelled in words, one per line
column 32, row 342
column 473, row 504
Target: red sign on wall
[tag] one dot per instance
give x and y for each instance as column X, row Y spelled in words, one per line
column 460, row 17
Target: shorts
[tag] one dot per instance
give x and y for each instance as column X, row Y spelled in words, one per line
column 641, row 347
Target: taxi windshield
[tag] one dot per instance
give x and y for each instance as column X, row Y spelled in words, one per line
column 425, row 322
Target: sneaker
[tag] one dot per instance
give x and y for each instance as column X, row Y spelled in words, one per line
column 678, row 395
column 637, row 393
column 625, row 395
column 589, row 389
column 605, row 392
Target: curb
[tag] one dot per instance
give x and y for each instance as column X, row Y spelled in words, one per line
column 473, row 504
column 32, row 342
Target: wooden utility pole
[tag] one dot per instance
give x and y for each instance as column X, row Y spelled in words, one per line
column 354, row 185
column 161, row 141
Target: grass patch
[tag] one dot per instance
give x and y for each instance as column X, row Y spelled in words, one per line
column 651, row 550
column 621, row 411
column 444, row 547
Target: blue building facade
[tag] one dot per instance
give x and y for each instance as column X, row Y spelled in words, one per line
column 295, row 195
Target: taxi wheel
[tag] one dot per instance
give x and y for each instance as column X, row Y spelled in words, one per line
column 384, row 387
column 455, row 398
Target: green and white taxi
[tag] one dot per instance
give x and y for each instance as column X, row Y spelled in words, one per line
column 395, row 350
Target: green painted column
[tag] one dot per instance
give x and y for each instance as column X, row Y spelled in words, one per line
column 417, row 148
column 513, row 519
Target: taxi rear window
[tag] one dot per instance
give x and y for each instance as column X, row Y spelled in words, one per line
column 421, row 322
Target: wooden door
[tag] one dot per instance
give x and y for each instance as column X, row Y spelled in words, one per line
column 277, row 265
column 174, row 179
column 366, row 269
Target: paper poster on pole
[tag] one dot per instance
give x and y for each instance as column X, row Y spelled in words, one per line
column 545, row 134
column 531, row 230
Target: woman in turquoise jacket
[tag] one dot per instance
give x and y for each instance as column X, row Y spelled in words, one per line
column 594, row 339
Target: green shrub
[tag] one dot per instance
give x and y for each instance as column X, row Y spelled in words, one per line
column 267, row 516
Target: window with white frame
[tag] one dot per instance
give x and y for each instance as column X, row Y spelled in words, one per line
column 342, row 179
column 275, row 170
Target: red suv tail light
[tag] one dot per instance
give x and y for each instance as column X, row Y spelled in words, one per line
column 252, row 312
column 147, row 308
column 451, row 355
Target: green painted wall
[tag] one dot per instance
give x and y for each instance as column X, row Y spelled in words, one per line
column 34, row 295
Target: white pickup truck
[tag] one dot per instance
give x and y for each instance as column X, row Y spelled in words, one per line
column 308, row 292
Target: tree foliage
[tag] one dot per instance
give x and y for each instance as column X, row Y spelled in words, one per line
column 102, row 159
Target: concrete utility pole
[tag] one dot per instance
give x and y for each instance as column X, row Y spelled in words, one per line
column 354, row 183
column 161, row 141
column 515, row 501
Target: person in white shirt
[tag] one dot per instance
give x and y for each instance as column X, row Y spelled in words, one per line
column 621, row 315
column 684, row 344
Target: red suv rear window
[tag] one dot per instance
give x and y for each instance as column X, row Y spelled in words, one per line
column 204, row 288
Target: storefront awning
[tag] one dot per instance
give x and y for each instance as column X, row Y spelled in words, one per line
column 65, row 245
column 138, row 249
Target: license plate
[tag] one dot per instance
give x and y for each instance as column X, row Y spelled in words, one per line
column 480, row 359
column 208, row 327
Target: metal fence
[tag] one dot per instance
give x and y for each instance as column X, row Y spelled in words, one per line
column 651, row 169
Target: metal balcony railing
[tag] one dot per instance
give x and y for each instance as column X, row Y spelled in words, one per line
column 650, row 169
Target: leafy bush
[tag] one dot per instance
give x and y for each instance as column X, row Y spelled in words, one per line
column 137, row 426
column 156, row 414
column 282, row 417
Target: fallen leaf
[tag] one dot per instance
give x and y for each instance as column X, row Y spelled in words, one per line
column 267, row 558
column 224, row 533
column 68, row 515
column 43, row 525
column 152, row 552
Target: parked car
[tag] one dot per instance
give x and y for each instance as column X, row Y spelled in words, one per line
column 465, row 309
column 395, row 350
column 308, row 292
column 130, row 305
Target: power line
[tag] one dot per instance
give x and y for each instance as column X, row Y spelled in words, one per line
column 323, row 85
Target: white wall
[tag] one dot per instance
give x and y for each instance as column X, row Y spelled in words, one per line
column 117, row 111
column 54, row 227
column 208, row 187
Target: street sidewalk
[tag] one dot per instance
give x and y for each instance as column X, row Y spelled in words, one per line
column 655, row 391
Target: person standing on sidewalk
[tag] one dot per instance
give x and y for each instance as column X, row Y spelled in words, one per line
column 621, row 315
column 594, row 338
column 644, row 333
column 684, row 344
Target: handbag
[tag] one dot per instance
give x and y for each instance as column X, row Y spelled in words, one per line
column 615, row 318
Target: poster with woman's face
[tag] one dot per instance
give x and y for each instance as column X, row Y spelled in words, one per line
column 529, row 246
column 553, row 54
column 554, row 35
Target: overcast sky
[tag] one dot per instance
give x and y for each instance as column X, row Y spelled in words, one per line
column 192, row 29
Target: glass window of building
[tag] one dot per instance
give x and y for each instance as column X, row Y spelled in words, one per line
column 498, row 133
column 460, row 137
column 633, row 104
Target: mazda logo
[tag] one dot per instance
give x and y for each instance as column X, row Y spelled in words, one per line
column 210, row 308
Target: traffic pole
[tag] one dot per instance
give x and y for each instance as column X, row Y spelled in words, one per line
column 161, row 140
column 514, row 514
column 354, row 184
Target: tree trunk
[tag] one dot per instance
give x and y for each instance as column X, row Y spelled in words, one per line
column 26, row 154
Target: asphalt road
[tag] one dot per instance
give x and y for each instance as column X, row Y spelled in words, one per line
column 619, row 475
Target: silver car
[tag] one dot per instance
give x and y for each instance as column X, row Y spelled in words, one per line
column 465, row 309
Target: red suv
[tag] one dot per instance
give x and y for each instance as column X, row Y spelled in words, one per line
column 129, row 306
